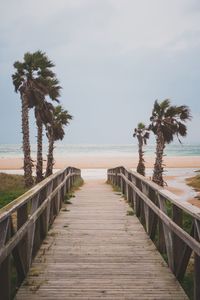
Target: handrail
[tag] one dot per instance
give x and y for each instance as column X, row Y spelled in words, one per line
column 163, row 217
column 24, row 224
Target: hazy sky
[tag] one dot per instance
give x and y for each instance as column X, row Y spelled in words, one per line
column 113, row 59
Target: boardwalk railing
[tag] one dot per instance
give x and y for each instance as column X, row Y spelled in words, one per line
column 173, row 225
column 24, row 224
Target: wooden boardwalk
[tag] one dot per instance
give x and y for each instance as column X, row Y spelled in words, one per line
column 95, row 250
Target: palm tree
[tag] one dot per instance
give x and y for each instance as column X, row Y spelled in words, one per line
column 44, row 116
column 34, row 80
column 55, row 132
column 167, row 121
column 142, row 135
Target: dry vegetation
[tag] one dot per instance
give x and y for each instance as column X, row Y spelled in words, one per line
column 194, row 182
column 11, row 187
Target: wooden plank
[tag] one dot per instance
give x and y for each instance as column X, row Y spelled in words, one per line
column 185, row 206
column 4, row 225
column 5, row 270
column 167, row 235
column 197, row 264
column 177, row 242
column 26, row 197
column 190, row 241
column 94, row 250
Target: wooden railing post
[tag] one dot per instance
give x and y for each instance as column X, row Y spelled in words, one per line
column 121, row 182
column 139, row 203
column 145, row 190
column 46, row 213
column 65, row 185
column 114, row 177
column 177, row 217
column 69, row 183
column 20, row 253
column 197, row 263
column 129, row 190
column 126, row 173
column 5, row 268
column 133, row 193
column 161, row 238
column 167, row 242
column 153, row 218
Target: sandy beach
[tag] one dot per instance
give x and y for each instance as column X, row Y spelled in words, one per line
column 94, row 166
column 104, row 162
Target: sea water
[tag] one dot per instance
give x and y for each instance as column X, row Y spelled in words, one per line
column 62, row 150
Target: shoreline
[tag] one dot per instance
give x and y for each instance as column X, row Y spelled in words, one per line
column 94, row 167
column 105, row 162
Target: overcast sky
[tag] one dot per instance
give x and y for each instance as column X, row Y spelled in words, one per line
column 113, row 59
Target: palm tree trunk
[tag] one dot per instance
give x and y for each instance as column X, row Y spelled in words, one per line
column 26, row 143
column 39, row 166
column 141, row 166
column 50, row 160
column 158, row 166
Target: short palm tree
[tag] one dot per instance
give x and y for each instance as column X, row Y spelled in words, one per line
column 34, row 80
column 167, row 122
column 142, row 134
column 55, row 132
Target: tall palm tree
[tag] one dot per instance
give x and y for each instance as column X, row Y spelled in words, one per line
column 167, row 122
column 34, row 79
column 142, row 135
column 44, row 116
column 55, row 132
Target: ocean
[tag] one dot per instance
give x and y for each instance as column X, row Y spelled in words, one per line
column 62, row 150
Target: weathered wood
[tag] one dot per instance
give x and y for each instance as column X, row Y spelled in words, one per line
column 94, row 250
column 4, row 229
column 145, row 190
column 153, row 218
column 166, row 230
column 5, row 279
column 196, row 264
column 185, row 206
column 184, row 257
column 32, row 230
column 191, row 242
column 22, row 238
column 167, row 235
column 177, row 242
column 5, row 270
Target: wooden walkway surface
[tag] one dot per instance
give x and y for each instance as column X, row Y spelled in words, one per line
column 96, row 251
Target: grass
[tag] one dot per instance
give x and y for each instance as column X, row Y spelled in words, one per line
column 194, row 182
column 11, row 187
column 188, row 285
column 130, row 212
column 76, row 185
column 116, row 189
column 67, row 197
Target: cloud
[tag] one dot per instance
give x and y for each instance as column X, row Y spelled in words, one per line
column 113, row 57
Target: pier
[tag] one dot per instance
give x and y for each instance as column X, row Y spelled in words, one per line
column 113, row 240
